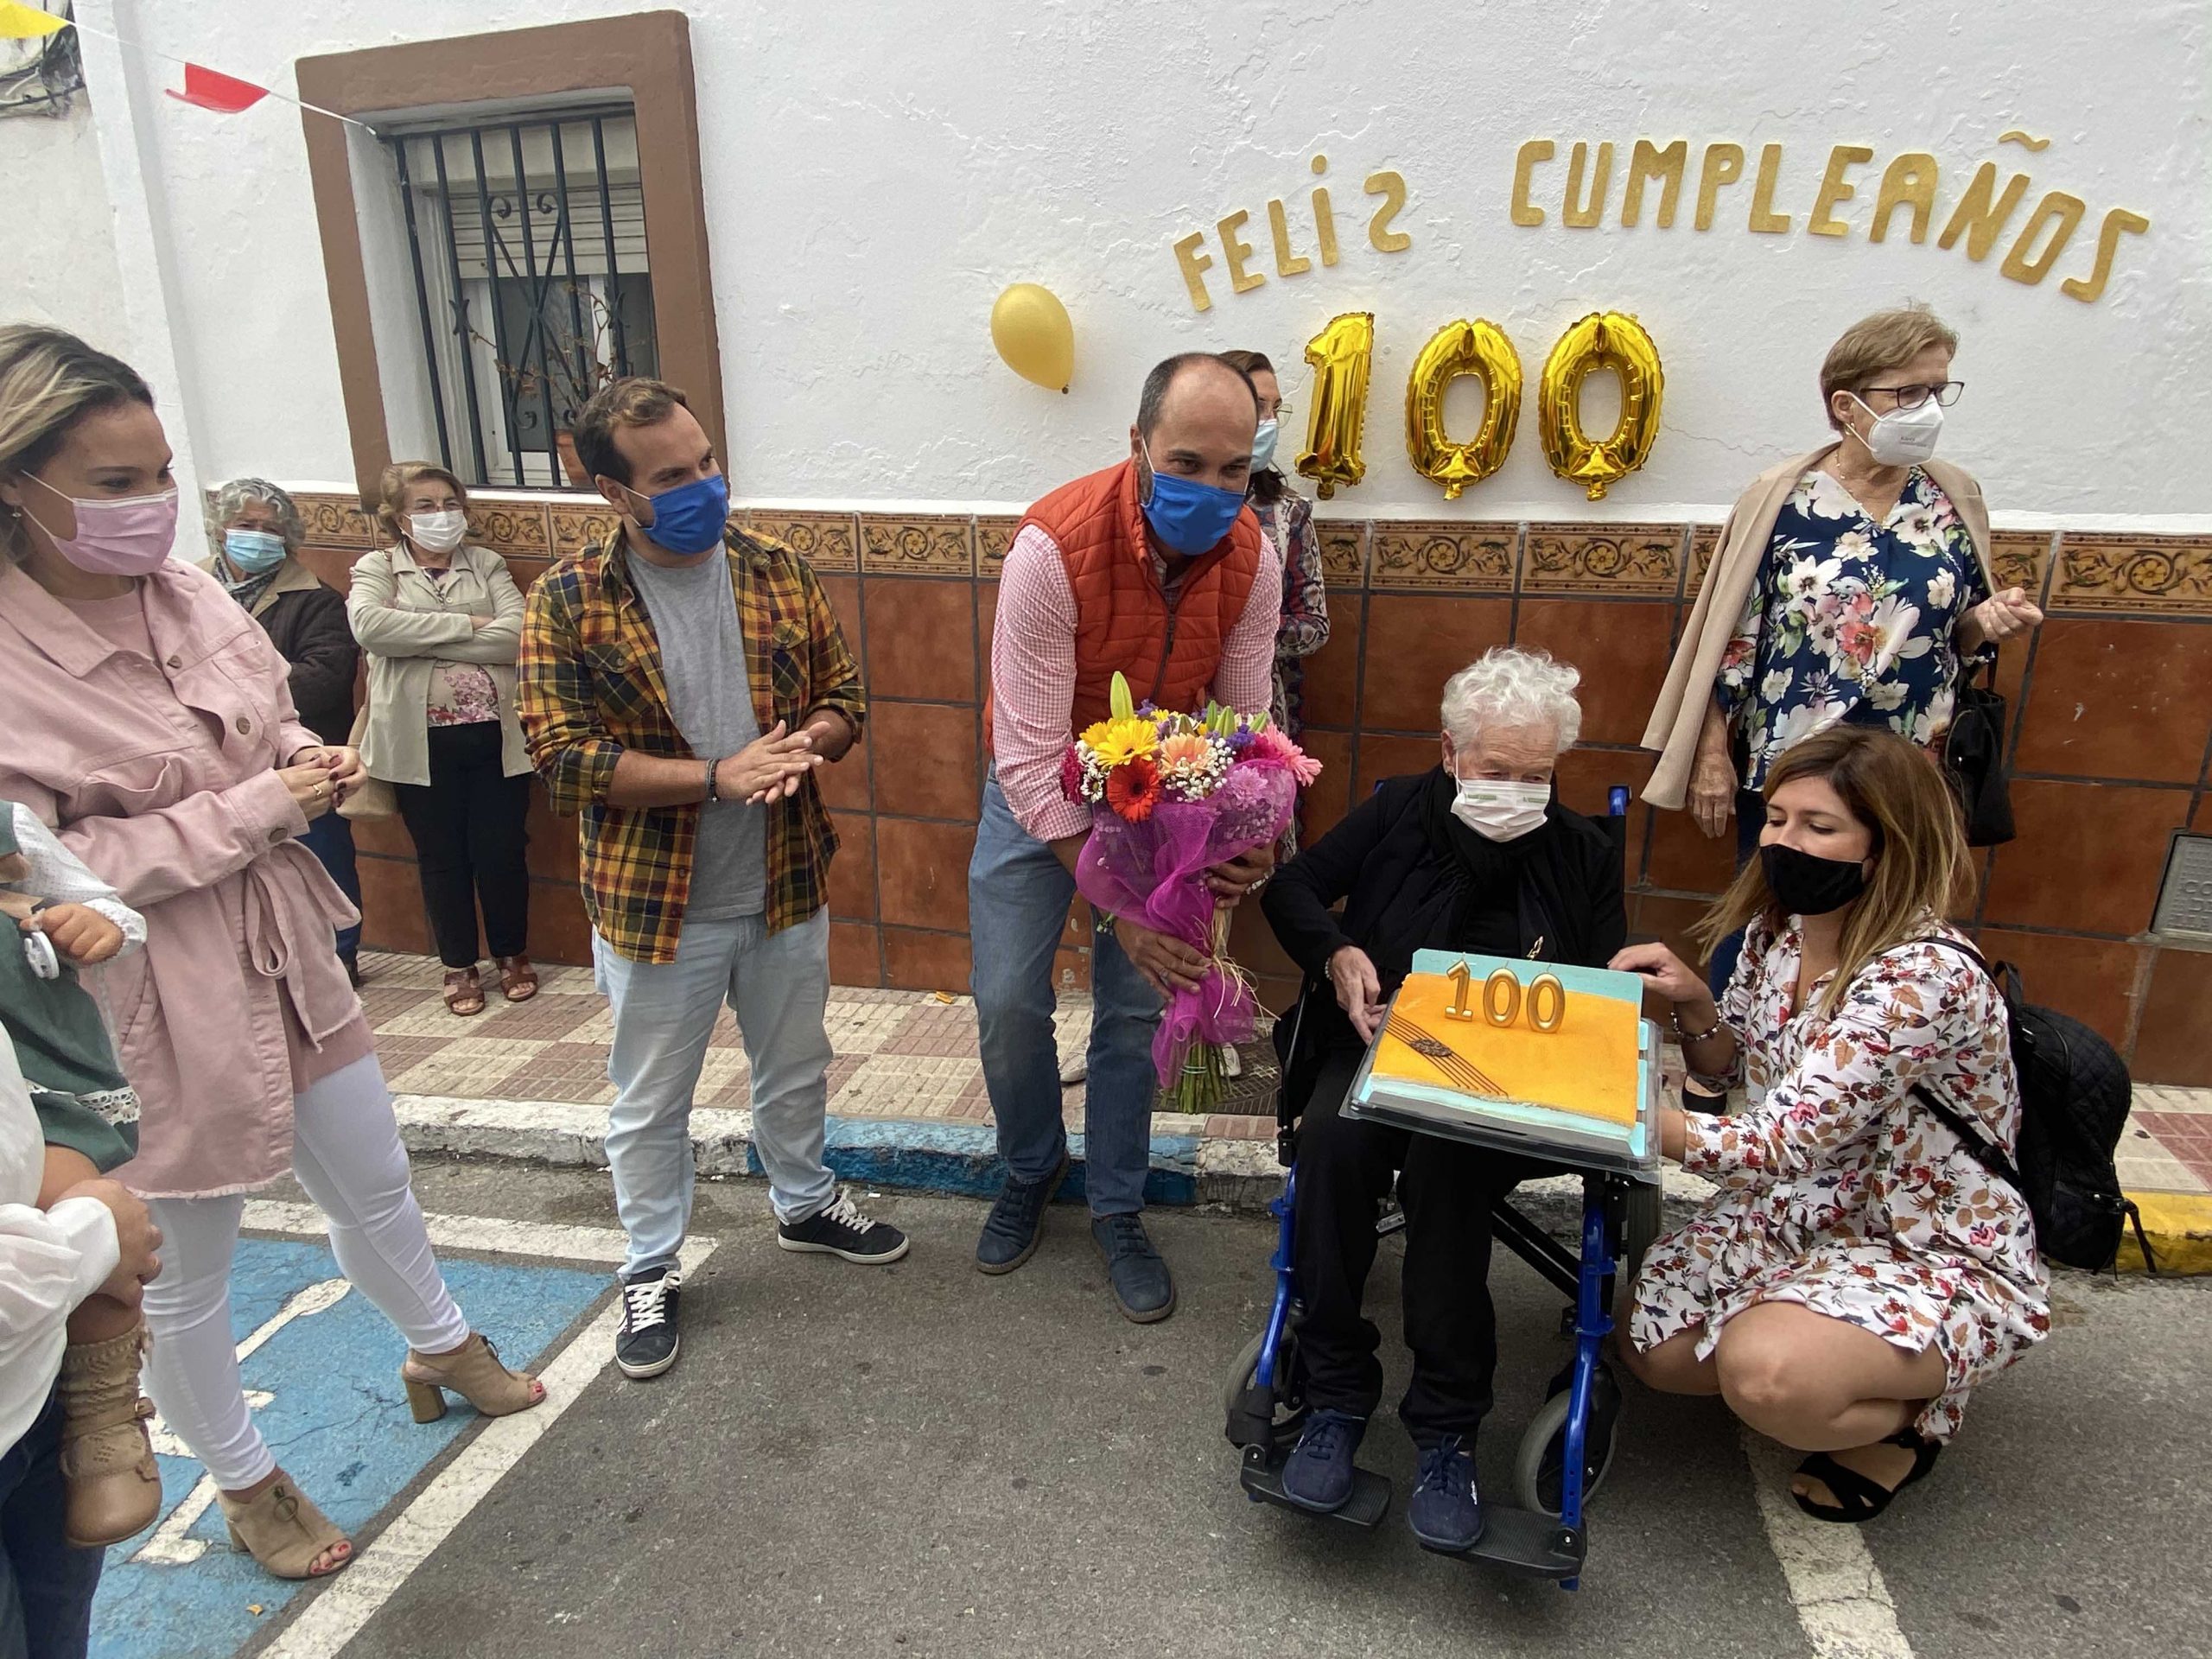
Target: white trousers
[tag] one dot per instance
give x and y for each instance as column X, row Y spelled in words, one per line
column 346, row 1155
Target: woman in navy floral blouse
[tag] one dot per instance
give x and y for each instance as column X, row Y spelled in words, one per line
column 1853, row 584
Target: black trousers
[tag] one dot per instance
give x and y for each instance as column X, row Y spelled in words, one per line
column 46, row 1587
column 1444, row 1188
column 470, row 844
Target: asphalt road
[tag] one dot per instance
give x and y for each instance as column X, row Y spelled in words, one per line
column 917, row 1460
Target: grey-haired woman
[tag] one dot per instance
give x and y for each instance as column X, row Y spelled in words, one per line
column 255, row 532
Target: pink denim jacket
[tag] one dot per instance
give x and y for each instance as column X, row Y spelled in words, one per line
column 160, row 774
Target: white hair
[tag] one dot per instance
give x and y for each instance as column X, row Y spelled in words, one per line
column 1510, row 687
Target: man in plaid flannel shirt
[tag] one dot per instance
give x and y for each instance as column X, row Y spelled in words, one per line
column 680, row 681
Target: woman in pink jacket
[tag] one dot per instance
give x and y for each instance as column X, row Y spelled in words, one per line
column 149, row 721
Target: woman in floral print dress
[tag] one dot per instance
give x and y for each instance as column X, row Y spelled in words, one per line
column 1858, row 1273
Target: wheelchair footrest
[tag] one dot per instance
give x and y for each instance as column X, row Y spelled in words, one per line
column 1522, row 1541
column 1261, row 1476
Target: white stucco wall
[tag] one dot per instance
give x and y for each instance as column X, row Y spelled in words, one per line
column 57, row 262
column 876, row 173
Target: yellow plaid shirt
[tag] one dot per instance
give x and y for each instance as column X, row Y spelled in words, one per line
column 591, row 689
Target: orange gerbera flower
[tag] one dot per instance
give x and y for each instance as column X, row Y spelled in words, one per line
column 1133, row 789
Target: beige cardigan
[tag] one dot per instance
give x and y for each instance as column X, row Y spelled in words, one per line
column 1679, row 715
column 408, row 625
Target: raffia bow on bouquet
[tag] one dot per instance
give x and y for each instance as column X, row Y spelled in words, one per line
column 1182, row 793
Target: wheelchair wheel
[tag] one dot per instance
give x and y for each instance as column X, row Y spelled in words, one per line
column 1644, row 1219
column 1549, row 1424
column 1289, row 1396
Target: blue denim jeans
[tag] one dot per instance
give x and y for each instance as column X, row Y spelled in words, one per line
column 1018, row 897
column 330, row 838
column 46, row 1587
column 1751, row 823
column 779, row 986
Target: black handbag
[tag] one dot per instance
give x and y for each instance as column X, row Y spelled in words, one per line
column 1973, row 759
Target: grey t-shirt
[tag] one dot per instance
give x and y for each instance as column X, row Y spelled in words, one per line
column 703, row 658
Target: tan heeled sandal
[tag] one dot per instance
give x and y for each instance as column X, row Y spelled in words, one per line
column 283, row 1531
column 473, row 1371
column 112, row 1486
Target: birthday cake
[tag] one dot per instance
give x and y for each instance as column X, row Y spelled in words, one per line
column 1563, row 1066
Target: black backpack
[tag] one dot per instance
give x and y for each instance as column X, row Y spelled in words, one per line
column 2074, row 1094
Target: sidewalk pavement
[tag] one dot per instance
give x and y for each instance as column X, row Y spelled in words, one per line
column 528, row 1081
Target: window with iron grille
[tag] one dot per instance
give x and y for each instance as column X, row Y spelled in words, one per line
column 528, row 236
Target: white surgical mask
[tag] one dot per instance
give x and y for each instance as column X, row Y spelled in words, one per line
column 1903, row 438
column 1500, row 811
column 438, row 532
column 1263, row 445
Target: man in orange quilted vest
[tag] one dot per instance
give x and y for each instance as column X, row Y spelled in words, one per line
column 1154, row 568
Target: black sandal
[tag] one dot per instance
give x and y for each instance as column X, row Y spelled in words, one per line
column 1862, row 1499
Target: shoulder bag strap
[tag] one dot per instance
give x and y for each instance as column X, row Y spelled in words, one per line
column 1985, row 1152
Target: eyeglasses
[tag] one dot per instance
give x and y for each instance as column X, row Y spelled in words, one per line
column 1945, row 394
column 1281, row 410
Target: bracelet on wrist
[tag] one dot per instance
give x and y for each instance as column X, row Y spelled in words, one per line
column 1706, row 1035
column 714, row 781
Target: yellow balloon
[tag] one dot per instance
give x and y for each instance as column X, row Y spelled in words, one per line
column 1031, row 329
column 1604, row 339
column 1341, row 355
column 1481, row 349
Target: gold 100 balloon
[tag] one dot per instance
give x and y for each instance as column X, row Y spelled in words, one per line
column 1342, row 354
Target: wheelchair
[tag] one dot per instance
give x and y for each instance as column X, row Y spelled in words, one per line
column 1262, row 1394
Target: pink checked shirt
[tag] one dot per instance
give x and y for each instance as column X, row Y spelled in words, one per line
column 1032, row 676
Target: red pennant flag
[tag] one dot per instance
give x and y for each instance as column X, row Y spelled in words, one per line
column 222, row 93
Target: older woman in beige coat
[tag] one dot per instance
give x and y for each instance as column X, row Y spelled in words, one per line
column 442, row 623
column 1852, row 585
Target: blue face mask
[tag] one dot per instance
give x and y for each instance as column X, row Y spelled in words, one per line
column 1263, row 446
column 1188, row 516
column 252, row 551
column 689, row 518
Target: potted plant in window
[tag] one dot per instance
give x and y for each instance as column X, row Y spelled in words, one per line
column 567, row 367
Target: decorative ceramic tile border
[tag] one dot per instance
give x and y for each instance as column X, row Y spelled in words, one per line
column 517, row 529
column 994, row 537
column 826, row 540
column 1444, row 553
column 335, row 521
column 1343, row 552
column 2021, row 558
column 917, row 545
column 1642, row 559
column 2170, row 575
column 1704, row 541
column 575, row 528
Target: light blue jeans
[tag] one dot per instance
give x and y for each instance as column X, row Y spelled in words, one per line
column 779, row 986
column 1018, row 898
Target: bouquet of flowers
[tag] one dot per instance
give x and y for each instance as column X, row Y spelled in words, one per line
column 1182, row 793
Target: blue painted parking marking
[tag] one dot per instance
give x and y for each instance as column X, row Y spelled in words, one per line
column 324, row 1376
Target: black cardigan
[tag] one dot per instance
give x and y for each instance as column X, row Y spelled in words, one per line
column 1398, row 897
column 308, row 628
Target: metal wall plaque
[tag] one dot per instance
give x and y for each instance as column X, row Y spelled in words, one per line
column 2186, row 896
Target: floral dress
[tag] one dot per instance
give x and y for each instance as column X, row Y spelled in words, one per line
column 1851, row 620
column 1840, row 1190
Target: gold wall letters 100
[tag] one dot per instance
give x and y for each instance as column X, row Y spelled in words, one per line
column 1192, row 259
column 1981, row 216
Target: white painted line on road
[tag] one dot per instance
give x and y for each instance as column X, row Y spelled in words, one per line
column 488, row 1234
column 1842, row 1604
column 329, row 1621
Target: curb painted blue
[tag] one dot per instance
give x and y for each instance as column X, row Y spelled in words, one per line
column 964, row 1158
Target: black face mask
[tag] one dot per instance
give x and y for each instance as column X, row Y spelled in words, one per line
column 1806, row 886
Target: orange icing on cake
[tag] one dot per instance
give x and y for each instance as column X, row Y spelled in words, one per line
column 1588, row 1066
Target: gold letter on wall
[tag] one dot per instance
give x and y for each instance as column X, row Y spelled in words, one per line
column 1524, row 162
column 1724, row 164
column 1190, row 255
column 1647, row 162
column 1834, row 192
column 1977, row 216
column 1765, row 219
column 1236, row 251
column 2063, row 212
column 1287, row 262
column 1585, row 216
column 2116, row 221
column 1391, row 186
column 1909, row 180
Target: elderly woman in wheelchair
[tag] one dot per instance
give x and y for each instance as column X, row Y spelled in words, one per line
column 1475, row 854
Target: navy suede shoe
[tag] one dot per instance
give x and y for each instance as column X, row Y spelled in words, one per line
column 1143, row 1289
column 1016, row 1224
column 1318, row 1475
column 1446, row 1514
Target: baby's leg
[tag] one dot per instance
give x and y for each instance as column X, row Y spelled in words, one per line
column 97, row 1318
